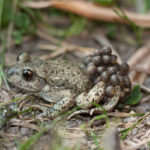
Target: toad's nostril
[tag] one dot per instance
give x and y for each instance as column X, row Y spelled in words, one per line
column 11, row 72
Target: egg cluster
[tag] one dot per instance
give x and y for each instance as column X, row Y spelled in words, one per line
column 103, row 66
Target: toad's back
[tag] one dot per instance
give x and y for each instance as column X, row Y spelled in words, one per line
column 65, row 75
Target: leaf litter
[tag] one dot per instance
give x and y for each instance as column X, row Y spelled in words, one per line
column 133, row 126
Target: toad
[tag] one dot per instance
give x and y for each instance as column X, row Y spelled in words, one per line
column 65, row 85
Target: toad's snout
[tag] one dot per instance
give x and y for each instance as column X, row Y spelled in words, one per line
column 11, row 73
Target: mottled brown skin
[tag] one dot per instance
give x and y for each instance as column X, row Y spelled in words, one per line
column 55, row 73
column 56, row 81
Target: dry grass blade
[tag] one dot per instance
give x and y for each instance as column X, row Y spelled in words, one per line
column 144, row 65
column 47, row 47
column 47, row 37
column 139, row 55
column 145, row 99
column 24, row 123
column 119, row 114
column 96, row 12
column 65, row 47
column 137, row 141
column 140, row 64
column 8, row 135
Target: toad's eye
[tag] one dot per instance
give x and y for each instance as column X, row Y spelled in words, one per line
column 27, row 74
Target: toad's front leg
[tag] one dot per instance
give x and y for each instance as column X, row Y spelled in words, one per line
column 65, row 103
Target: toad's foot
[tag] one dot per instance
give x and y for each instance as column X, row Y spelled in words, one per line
column 109, row 106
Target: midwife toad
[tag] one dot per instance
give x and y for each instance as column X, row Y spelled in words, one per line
column 59, row 82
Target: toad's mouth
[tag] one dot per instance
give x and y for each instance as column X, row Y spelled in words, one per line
column 23, row 88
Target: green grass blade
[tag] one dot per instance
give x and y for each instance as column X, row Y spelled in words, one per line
column 1, row 11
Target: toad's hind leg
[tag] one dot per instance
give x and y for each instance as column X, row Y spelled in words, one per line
column 109, row 106
column 95, row 95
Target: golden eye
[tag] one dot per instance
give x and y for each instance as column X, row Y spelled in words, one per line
column 27, row 74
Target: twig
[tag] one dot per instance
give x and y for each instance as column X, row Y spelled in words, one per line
column 96, row 12
column 47, row 37
column 137, row 145
column 141, row 70
column 139, row 55
column 25, row 124
column 145, row 99
column 65, row 47
column 120, row 114
column 136, row 59
column 47, row 47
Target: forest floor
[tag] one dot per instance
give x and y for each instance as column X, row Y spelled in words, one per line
column 73, row 37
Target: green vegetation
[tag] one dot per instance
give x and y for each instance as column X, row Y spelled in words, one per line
column 135, row 96
column 104, row 2
column 2, row 50
column 136, row 29
column 126, row 131
column 102, row 116
column 18, row 21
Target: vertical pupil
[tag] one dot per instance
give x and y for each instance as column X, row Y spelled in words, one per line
column 27, row 74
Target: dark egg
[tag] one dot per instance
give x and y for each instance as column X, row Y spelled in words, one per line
column 107, row 50
column 100, row 69
column 124, row 68
column 98, row 52
column 127, row 81
column 87, row 60
column 113, row 59
column 106, row 59
column 114, row 79
column 121, row 80
column 110, row 90
column 96, row 60
column 112, row 69
column 105, row 75
column 91, row 69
